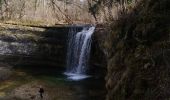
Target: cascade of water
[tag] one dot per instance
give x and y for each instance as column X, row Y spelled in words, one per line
column 78, row 52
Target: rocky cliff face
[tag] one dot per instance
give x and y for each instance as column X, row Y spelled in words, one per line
column 42, row 46
column 137, row 51
column 33, row 45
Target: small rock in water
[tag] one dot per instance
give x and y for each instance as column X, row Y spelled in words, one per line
column 5, row 71
column 33, row 97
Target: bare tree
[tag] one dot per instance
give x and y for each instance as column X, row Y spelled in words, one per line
column 55, row 11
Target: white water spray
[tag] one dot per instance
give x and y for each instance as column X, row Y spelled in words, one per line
column 78, row 53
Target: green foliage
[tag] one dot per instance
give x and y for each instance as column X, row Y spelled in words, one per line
column 95, row 8
column 0, row 3
column 129, row 1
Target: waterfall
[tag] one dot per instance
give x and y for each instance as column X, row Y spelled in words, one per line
column 79, row 46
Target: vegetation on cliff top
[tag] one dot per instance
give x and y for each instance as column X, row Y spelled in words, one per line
column 137, row 47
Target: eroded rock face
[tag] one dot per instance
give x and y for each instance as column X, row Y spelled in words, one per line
column 137, row 51
column 33, row 45
column 98, row 61
column 42, row 46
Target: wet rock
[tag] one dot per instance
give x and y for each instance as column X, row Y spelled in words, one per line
column 29, row 92
column 5, row 71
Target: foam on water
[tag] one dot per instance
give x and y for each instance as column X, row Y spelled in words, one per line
column 76, row 77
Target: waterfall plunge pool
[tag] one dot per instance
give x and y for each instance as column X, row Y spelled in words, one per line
column 25, row 82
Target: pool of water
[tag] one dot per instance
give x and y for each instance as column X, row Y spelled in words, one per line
column 60, row 86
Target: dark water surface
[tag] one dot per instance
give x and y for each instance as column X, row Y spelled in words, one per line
column 92, row 88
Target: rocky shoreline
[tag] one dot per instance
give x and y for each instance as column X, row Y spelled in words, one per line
column 21, row 86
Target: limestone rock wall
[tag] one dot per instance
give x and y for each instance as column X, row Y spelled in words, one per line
column 33, row 45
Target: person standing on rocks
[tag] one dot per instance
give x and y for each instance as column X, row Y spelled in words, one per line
column 41, row 91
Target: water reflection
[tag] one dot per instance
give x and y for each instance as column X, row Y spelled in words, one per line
column 88, row 89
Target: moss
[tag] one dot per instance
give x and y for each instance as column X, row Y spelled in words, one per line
column 2, row 94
